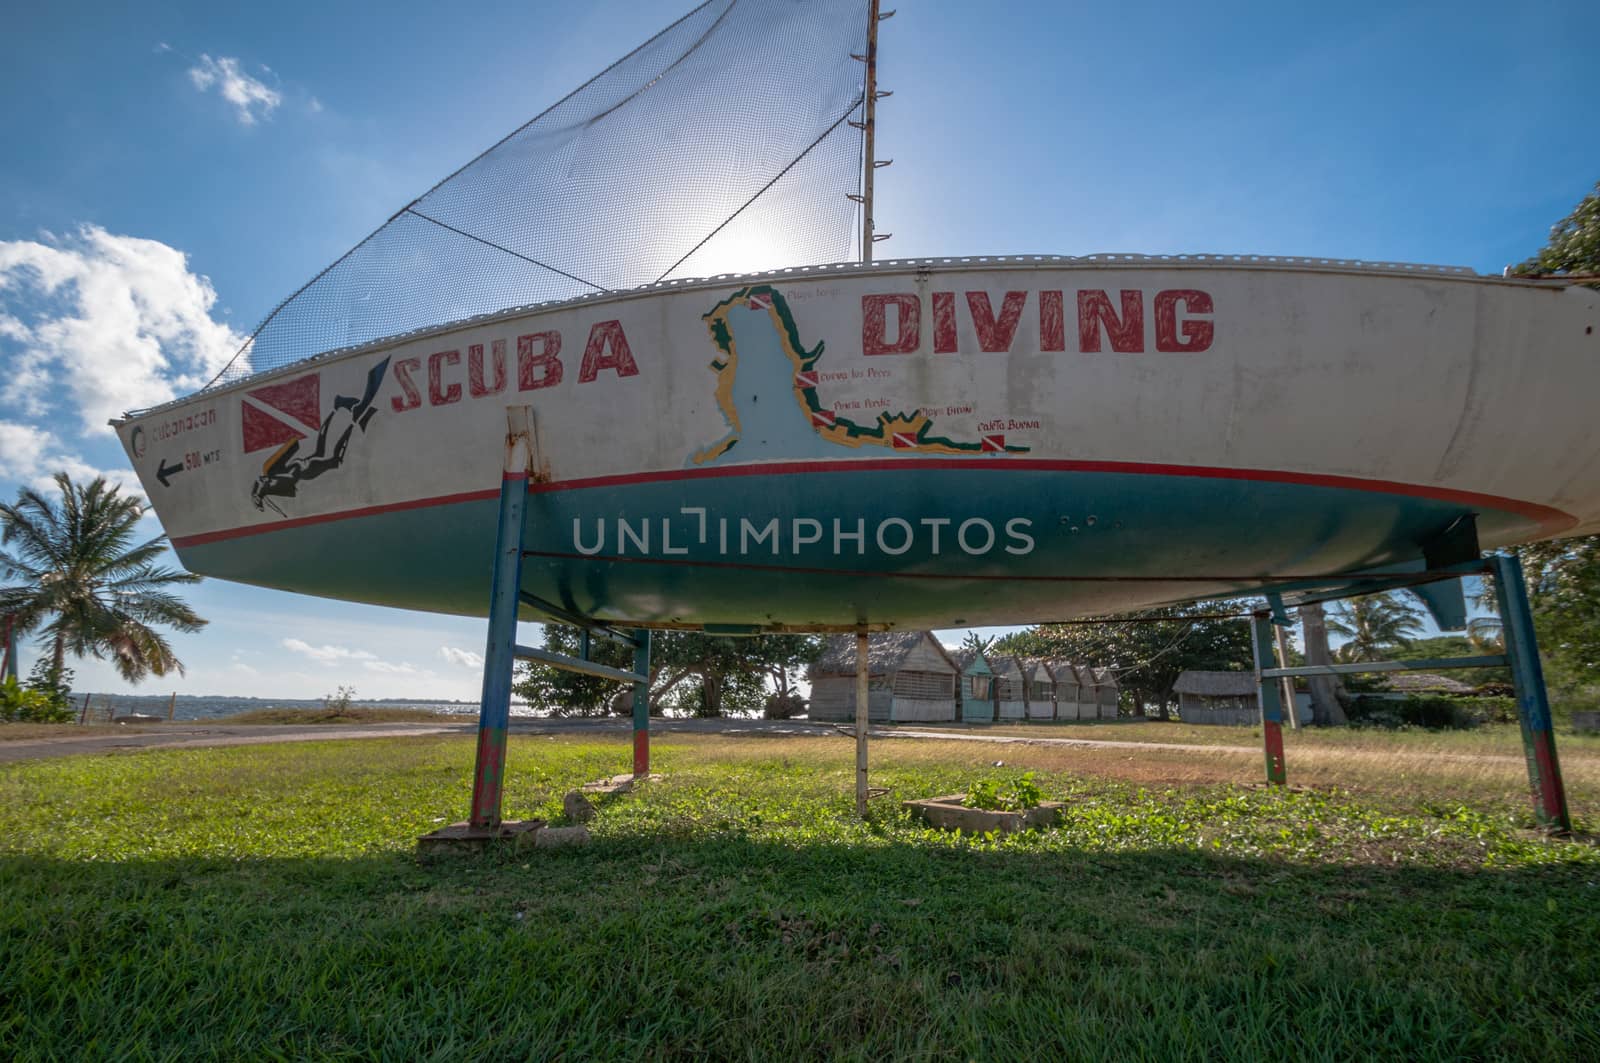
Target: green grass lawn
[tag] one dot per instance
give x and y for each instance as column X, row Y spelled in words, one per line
column 265, row 902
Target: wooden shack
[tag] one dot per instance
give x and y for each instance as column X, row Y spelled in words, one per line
column 1012, row 695
column 1067, row 688
column 910, row 677
column 1230, row 698
column 977, row 687
column 1040, row 684
column 1088, row 692
column 1106, row 692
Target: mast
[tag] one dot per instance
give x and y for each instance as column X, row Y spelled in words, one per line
column 868, row 127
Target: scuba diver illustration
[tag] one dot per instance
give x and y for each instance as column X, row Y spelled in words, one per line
column 286, row 469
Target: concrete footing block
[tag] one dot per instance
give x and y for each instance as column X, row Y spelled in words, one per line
column 463, row 839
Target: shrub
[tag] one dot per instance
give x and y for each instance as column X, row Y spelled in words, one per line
column 23, row 705
column 1022, row 794
column 1434, row 712
column 339, row 701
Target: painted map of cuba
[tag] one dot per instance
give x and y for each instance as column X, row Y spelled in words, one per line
column 759, row 349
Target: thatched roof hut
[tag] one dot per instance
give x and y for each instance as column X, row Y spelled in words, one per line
column 1011, row 695
column 1425, row 683
column 910, row 676
column 977, row 686
column 1069, row 688
column 1231, row 698
column 1040, row 685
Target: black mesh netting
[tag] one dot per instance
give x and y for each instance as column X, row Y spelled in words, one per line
column 722, row 144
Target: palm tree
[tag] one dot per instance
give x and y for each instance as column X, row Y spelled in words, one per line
column 73, row 573
column 1373, row 625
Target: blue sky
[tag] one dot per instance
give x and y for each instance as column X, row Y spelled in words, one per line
column 182, row 167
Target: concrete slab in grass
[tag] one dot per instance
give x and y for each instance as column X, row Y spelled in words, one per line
column 948, row 813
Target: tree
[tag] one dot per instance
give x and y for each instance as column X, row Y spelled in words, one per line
column 1574, row 245
column 1327, row 710
column 690, row 672
column 1479, row 641
column 1564, row 576
column 1146, row 650
column 72, row 571
column 1374, row 625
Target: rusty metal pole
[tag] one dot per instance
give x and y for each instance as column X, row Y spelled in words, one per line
column 1533, row 704
column 1271, row 711
column 494, row 714
column 861, row 720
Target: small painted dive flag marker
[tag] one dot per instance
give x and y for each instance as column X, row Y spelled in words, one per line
column 994, row 444
column 902, row 440
column 807, row 379
column 760, row 301
column 822, row 418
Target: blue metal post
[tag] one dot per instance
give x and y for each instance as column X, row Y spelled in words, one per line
column 641, row 703
column 1533, row 704
column 1271, row 703
column 500, row 654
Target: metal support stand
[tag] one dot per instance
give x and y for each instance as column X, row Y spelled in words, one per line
column 494, row 714
column 1521, row 657
column 502, row 650
column 861, row 724
column 641, row 704
column 1271, row 706
column 1533, row 704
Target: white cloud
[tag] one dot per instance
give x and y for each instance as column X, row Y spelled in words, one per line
column 314, row 105
column 161, row 46
column 33, row 455
column 328, row 654
column 390, row 668
column 112, row 322
column 251, row 99
column 463, row 658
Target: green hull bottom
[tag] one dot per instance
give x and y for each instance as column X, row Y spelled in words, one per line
column 903, row 547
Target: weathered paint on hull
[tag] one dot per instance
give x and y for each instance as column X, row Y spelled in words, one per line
column 1081, row 436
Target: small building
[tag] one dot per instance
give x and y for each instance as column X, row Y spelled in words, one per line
column 1230, row 698
column 1068, row 688
column 1012, row 695
column 1107, row 691
column 1040, row 684
column 977, row 687
column 1401, row 684
column 910, row 677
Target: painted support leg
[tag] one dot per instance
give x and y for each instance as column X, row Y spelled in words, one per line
column 1533, row 704
column 1271, row 700
column 641, row 704
column 499, row 655
column 861, row 724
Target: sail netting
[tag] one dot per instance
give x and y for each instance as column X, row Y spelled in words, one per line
column 723, row 144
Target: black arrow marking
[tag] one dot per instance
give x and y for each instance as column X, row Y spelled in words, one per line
column 163, row 470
